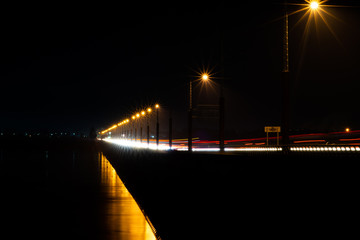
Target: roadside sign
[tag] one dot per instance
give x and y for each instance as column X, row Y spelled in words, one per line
column 270, row 129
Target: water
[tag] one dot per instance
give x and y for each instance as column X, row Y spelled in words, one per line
column 64, row 192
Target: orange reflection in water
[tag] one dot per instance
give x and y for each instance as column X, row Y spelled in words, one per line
column 124, row 218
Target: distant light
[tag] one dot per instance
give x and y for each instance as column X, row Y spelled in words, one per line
column 157, row 106
column 314, row 5
column 347, row 130
column 138, row 115
column 205, row 77
column 143, row 113
column 133, row 117
column 149, row 110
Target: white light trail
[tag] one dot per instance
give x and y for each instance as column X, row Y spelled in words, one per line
column 165, row 147
column 254, row 149
column 133, row 144
column 326, row 149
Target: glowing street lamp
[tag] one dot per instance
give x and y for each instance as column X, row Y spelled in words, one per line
column 205, row 77
column 314, row 5
column 149, row 110
column 142, row 114
column 311, row 6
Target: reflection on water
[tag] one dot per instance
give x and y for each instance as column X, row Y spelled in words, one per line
column 124, row 218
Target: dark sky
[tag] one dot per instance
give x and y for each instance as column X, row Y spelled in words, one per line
column 73, row 66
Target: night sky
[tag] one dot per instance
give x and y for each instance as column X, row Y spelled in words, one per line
column 70, row 67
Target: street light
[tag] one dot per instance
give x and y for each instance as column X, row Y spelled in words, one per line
column 141, row 123
column 157, row 106
column 204, row 77
column 149, row 110
column 314, row 5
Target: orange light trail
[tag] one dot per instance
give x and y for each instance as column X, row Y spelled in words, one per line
column 348, row 139
column 309, row 141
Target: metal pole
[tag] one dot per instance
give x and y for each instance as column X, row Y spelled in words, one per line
column 190, row 118
column 285, row 85
column 170, row 129
column 140, row 133
column 222, row 99
column 157, row 126
column 148, row 134
column 222, row 123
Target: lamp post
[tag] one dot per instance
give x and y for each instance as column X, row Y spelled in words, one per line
column 204, row 77
column 170, row 129
column 190, row 117
column 157, row 106
column 137, row 125
column 141, row 124
column 285, row 84
column 132, row 130
column 285, row 75
column 148, row 127
column 221, row 121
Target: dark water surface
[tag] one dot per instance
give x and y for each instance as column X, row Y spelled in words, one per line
column 65, row 190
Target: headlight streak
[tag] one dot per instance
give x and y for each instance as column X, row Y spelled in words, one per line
column 138, row 145
column 165, row 147
column 326, row 149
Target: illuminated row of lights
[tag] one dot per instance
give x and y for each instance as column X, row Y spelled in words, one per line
column 204, row 76
column 325, row 149
column 134, row 117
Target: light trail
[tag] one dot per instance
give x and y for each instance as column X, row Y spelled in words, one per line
column 138, row 145
column 254, row 149
column 165, row 147
column 325, row 149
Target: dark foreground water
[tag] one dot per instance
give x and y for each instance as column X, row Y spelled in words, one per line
column 65, row 190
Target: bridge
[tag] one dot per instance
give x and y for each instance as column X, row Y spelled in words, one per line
column 142, row 128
